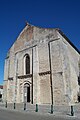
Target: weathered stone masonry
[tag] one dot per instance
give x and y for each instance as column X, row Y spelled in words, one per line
column 42, row 66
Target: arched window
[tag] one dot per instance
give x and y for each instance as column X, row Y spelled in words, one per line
column 79, row 82
column 27, row 64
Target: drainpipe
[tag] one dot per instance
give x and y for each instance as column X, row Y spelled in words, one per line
column 51, row 73
column 32, row 75
column 7, row 92
column 16, row 80
column 50, row 78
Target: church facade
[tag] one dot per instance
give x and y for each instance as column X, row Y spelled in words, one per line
column 42, row 66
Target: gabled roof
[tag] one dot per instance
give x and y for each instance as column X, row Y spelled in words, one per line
column 28, row 25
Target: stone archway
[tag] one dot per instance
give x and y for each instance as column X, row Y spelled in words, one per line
column 26, row 92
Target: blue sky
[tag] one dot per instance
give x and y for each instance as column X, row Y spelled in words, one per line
column 63, row 14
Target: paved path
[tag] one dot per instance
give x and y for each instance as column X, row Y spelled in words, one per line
column 20, row 115
column 60, row 112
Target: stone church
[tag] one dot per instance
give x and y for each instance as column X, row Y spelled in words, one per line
column 42, row 67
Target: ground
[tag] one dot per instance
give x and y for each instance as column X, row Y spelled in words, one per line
column 59, row 113
column 17, row 115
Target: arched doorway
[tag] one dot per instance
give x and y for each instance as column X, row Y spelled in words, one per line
column 26, row 92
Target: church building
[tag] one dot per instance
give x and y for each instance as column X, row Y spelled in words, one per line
column 42, row 67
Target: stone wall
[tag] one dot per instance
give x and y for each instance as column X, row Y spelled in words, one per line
column 71, row 70
column 35, row 42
